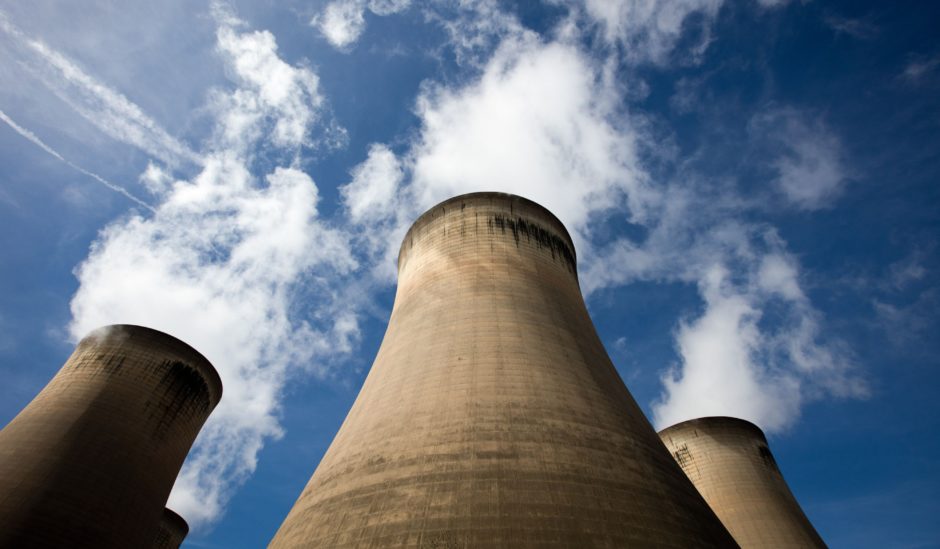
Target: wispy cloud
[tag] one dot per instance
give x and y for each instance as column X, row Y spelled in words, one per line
column 229, row 253
column 227, row 259
column 859, row 28
column 649, row 30
column 919, row 67
column 39, row 143
column 108, row 110
column 580, row 154
column 907, row 299
column 807, row 156
column 732, row 360
column 342, row 22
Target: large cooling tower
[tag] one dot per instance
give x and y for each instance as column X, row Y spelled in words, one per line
column 730, row 463
column 492, row 416
column 91, row 460
column 172, row 531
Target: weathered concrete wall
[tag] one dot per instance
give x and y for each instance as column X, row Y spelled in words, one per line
column 730, row 463
column 91, row 460
column 492, row 416
column 172, row 531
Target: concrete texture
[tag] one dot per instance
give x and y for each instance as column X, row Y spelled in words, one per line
column 730, row 463
column 91, row 460
column 172, row 531
column 492, row 416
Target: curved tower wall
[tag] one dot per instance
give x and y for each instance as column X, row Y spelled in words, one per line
column 172, row 531
column 492, row 415
column 91, row 460
column 730, row 463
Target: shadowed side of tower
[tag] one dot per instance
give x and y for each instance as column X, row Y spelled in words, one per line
column 730, row 463
column 172, row 531
column 492, row 415
column 91, row 460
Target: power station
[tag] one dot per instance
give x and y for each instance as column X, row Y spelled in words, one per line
column 91, row 460
column 730, row 463
column 172, row 531
column 492, row 415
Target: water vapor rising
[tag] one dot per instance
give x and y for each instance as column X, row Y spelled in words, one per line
column 579, row 153
column 225, row 261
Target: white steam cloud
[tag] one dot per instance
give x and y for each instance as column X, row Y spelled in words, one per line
column 544, row 121
column 503, row 133
column 228, row 253
column 222, row 262
column 342, row 22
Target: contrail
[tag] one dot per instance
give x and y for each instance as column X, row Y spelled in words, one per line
column 38, row 142
column 107, row 109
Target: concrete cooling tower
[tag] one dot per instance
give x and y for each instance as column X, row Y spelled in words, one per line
column 730, row 463
column 172, row 531
column 492, row 415
column 91, row 460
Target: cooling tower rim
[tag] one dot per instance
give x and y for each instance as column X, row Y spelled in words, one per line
column 201, row 363
column 429, row 213
column 175, row 519
column 713, row 423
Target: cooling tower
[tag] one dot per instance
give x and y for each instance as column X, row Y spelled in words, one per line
column 91, row 460
column 172, row 531
column 492, row 416
column 730, row 463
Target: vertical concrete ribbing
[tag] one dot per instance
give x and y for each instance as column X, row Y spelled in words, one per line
column 492, row 416
column 91, row 460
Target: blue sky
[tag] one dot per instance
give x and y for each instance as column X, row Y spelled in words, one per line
column 751, row 185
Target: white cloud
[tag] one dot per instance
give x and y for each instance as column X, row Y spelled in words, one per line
column 270, row 90
column 156, row 179
column 778, row 274
column 719, row 375
column 909, row 270
column 388, row 7
column 226, row 252
column 476, row 28
column 342, row 22
column 374, row 187
column 649, row 30
column 379, row 210
column 733, row 364
column 810, row 171
column 217, row 266
column 224, row 261
column 732, row 361
column 861, row 29
column 569, row 150
column 575, row 151
column 504, row 132
column 920, row 67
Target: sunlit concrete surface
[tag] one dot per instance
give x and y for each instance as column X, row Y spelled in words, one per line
column 492, row 416
column 91, row 460
column 730, row 463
